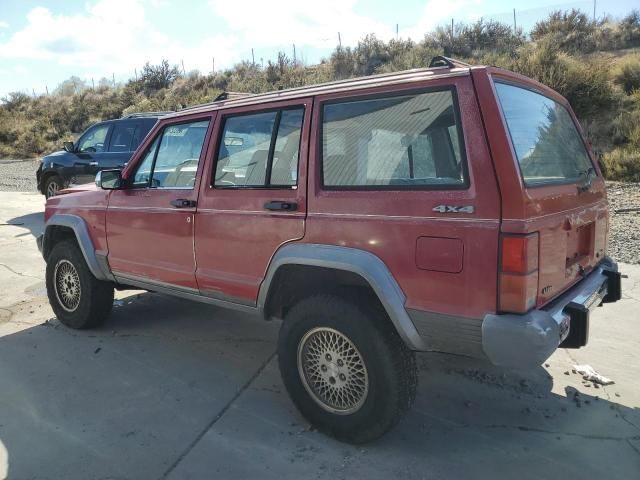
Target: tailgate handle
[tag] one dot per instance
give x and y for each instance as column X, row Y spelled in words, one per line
column 183, row 203
column 280, row 205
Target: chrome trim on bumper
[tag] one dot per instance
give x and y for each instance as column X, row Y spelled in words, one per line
column 528, row 340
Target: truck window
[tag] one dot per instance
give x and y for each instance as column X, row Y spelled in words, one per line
column 93, row 140
column 408, row 141
column 172, row 160
column 260, row 150
column 545, row 139
column 122, row 137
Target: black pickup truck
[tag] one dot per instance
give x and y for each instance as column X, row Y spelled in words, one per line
column 105, row 145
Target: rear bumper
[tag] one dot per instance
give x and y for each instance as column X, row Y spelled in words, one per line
column 528, row 340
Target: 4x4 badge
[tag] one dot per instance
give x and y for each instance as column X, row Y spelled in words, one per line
column 453, row 209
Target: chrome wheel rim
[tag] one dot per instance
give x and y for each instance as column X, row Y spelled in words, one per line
column 52, row 189
column 66, row 282
column 333, row 371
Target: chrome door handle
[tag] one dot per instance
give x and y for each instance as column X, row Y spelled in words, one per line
column 93, row 164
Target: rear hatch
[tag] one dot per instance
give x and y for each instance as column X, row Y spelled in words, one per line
column 563, row 204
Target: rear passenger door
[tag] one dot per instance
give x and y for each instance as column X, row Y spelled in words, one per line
column 124, row 139
column 253, row 196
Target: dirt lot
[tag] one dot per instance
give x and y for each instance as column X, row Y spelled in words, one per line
column 172, row 389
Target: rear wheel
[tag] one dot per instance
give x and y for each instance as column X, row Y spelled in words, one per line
column 345, row 367
column 52, row 185
column 78, row 299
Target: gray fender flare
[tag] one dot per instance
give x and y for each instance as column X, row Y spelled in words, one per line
column 360, row 262
column 96, row 263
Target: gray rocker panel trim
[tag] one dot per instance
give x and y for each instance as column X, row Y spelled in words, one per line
column 182, row 292
column 99, row 267
column 360, row 262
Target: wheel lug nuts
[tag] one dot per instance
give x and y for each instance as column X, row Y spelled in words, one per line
column 332, row 380
column 340, row 363
column 323, row 368
column 343, row 377
column 328, row 357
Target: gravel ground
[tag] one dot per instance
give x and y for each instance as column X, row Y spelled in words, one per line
column 624, row 244
column 18, row 175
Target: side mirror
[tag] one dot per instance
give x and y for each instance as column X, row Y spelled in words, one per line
column 69, row 147
column 109, row 179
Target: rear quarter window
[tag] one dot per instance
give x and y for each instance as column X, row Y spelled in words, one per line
column 545, row 139
column 403, row 141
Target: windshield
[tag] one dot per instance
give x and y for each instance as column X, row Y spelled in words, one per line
column 547, row 144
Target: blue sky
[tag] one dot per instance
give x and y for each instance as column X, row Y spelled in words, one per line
column 44, row 42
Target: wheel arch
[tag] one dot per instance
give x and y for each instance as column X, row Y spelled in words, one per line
column 64, row 226
column 336, row 265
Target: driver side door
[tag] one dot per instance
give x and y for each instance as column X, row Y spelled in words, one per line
column 150, row 220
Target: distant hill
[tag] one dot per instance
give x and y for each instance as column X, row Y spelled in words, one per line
column 595, row 64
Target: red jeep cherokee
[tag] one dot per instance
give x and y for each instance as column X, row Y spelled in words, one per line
column 455, row 209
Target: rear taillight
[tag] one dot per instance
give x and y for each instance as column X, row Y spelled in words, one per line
column 518, row 273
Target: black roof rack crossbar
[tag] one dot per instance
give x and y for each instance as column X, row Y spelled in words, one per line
column 441, row 61
column 145, row 114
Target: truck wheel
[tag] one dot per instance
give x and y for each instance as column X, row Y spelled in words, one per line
column 52, row 184
column 345, row 367
column 78, row 299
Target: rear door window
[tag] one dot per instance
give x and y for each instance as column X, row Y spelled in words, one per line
column 260, row 150
column 546, row 141
column 123, row 136
column 408, row 141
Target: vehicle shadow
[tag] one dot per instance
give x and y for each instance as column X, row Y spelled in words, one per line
column 33, row 222
column 167, row 380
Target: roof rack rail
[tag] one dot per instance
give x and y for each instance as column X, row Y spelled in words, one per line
column 223, row 97
column 145, row 114
column 441, row 61
column 231, row 96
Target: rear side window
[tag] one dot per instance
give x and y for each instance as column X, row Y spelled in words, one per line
column 122, row 137
column 409, row 141
column 260, row 150
column 545, row 139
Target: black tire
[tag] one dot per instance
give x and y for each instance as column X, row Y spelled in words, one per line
column 52, row 184
column 95, row 297
column 389, row 364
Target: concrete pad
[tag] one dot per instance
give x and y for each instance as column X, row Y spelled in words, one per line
column 126, row 400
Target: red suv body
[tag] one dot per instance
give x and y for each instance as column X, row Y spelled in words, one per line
column 457, row 209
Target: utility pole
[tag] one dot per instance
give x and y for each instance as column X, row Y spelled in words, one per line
column 113, row 77
column 452, row 32
column 515, row 25
column 46, row 88
column 339, row 40
column 396, row 31
column 294, row 54
column 93, row 85
column 213, row 65
column 253, row 58
column 184, row 72
column 594, row 10
column 135, row 71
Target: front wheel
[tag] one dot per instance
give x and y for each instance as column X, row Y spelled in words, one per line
column 345, row 367
column 52, row 185
column 78, row 299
